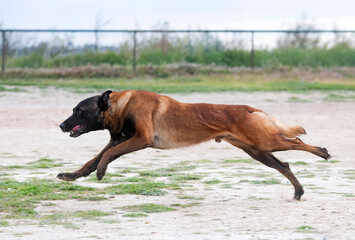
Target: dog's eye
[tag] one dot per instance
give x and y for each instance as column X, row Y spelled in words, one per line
column 77, row 111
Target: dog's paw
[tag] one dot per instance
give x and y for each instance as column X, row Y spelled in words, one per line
column 324, row 153
column 100, row 173
column 67, row 176
column 298, row 194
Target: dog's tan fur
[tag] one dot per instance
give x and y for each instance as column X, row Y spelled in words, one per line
column 164, row 123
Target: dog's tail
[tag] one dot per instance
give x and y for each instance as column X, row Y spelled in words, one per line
column 288, row 131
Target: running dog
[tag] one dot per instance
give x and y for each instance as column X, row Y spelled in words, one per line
column 141, row 119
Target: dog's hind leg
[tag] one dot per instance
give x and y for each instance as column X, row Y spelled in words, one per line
column 270, row 160
column 297, row 144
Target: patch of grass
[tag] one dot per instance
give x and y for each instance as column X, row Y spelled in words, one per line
column 4, row 223
column 305, row 174
column 110, row 221
column 63, row 218
column 109, row 178
column 190, row 197
column 349, row 174
column 57, row 219
column 89, row 198
column 205, row 161
column 144, row 188
column 184, row 205
column 332, row 97
column 44, row 163
column 267, row 181
column 12, row 89
column 329, row 161
column 148, row 208
column 258, row 198
column 18, row 199
column 297, row 100
column 212, row 181
column 262, row 80
column 40, row 163
column 164, row 172
column 186, row 177
column 90, row 215
column 300, row 163
column 349, row 195
column 305, row 229
column 248, row 160
column 135, row 179
column 135, row 215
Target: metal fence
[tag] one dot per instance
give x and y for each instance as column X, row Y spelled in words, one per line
column 252, row 36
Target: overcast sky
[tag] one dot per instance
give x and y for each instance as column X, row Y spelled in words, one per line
column 181, row 14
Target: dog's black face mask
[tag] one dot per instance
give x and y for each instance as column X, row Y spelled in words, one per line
column 87, row 115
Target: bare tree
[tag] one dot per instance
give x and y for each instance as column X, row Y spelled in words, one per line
column 100, row 22
column 300, row 38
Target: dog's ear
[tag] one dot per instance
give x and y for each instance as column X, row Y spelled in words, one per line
column 103, row 100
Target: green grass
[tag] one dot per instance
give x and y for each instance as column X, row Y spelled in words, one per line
column 247, row 81
column 300, row 163
column 305, row 229
column 148, row 208
column 90, row 215
column 305, row 174
column 190, row 197
column 266, row 182
column 109, row 178
column 144, row 188
column 7, row 89
column 329, row 161
column 186, row 177
column 165, row 172
column 40, row 163
column 63, row 218
column 212, row 181
column 18, row 199
column 333, row 97
column 248, row 160
column 135, row 215
column 349, row 174
column 44, row 163
column 4, row 223
column 135, row 179
column 199, row 49
column 297, row 100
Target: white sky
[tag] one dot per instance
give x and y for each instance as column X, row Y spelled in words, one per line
column 180, row 14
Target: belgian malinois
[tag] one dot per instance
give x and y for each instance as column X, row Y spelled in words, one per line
column 141, row 119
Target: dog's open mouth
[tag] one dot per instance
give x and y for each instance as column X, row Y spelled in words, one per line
column 77, row 131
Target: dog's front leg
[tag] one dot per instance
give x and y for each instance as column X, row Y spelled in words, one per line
column 133, row 144
column 91, row 165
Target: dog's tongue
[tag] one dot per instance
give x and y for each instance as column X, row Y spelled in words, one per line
column 76, row 128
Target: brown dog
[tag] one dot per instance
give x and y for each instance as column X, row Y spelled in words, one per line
column 140, row 119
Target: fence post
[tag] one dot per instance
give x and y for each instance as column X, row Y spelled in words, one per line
column 3, row 55
column 252, row 55
column 134, row 50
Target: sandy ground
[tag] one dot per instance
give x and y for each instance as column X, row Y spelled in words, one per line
column 234, row 208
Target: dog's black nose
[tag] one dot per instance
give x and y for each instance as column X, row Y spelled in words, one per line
column 62, row 126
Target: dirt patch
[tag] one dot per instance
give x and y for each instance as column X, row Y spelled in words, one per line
column 221, row 194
